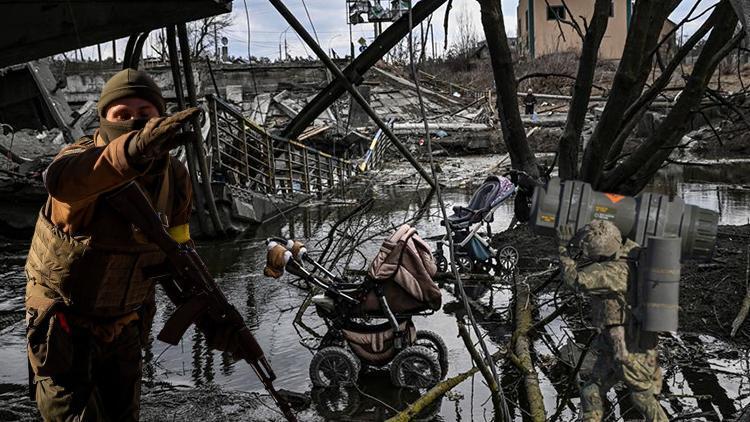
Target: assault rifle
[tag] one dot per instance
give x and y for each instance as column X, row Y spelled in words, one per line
column 192, row 288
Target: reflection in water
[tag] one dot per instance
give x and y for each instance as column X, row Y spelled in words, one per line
column 730, row 200
column 198, row 350
column 704, row 383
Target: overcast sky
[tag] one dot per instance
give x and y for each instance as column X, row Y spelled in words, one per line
column 329, row 19
column 268, row 29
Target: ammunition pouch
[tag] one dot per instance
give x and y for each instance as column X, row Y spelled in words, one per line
column 49, row 341
column 92, row 278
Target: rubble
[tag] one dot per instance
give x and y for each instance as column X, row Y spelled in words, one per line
column 27, row 145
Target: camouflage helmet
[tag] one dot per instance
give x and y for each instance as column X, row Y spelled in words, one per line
column 600, row 239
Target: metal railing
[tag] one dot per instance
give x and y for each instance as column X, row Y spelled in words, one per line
column 251, row 159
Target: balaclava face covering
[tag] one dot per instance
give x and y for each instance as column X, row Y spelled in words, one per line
column 109, row 131
column 127, row 83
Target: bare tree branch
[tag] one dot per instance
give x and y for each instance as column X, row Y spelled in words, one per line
column 633, row 114
column 571, row 138
column 634, row 173
column 555, row 75
column 632, row 73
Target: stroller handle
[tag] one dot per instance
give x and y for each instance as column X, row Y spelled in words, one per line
column 297, row 248
column 295, row 266
column 300, row 257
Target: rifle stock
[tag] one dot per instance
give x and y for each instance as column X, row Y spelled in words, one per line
column 193, row 289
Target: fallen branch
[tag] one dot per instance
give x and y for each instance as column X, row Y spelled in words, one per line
column 488, row 312
column 438, row 391
column 745, row 308
column 571, row 378
column 441, row 276
column 551, row 317
column 521, row 346
column 483, row 369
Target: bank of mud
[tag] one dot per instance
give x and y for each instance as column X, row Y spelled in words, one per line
column 164, row 402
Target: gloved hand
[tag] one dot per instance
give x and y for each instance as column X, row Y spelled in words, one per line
column 298, row 250
column 565, row 233
column 159, row 136
column 568, row 270
column 276, row 260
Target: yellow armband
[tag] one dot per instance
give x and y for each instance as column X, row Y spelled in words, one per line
column 181, row 234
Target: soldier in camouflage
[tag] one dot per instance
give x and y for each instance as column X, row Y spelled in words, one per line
column 625, row 353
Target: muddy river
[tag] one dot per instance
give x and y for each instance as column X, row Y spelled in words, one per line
column 715, row 387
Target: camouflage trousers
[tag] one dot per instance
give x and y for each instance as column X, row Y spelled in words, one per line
column 639, row 372
column 102, row 382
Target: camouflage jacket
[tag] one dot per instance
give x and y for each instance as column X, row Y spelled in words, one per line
column 606, row 283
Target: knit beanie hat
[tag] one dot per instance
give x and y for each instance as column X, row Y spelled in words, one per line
column 130, row 83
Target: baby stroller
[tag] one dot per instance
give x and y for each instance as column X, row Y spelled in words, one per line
column 472, row 250
column 370, row 322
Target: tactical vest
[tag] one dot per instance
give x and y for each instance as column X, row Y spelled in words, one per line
column 96, row 277
column 614, row 309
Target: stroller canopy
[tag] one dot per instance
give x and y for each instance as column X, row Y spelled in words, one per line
column 406, row 261
column 491, row 193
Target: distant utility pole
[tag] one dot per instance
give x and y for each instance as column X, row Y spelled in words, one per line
column 216, row 44
column 247, row 17
column 114, row 51
column 432, row 37
column 422, row 42
column 99, row 51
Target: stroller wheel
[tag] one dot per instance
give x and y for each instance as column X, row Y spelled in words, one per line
column 465, row 264
column 415, row 367
column 441, row 262
column 334, row 366
column 433, row 342
column 507, row 258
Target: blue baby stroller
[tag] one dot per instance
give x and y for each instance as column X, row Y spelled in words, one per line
column 472, row 249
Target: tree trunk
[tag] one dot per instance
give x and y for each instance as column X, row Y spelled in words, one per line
column 521, row 347
column 521, row 157
column 637, row 170
column 571, row 139
column 627, row 85
column 635, row 112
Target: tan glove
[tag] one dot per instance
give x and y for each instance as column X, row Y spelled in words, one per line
column 276, row 260
column 159, row 136
column 298, row 250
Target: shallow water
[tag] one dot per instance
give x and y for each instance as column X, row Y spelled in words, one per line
column 269, row 307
